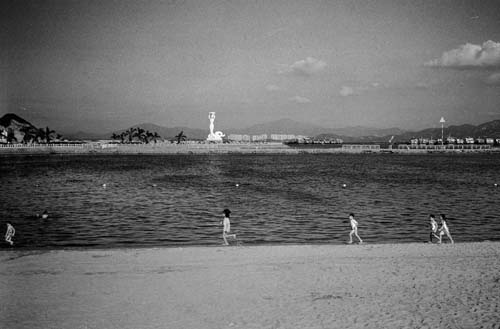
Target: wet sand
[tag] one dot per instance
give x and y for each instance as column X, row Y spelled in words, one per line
column 297, row 286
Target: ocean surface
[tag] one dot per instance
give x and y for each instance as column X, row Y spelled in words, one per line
column 173, row 200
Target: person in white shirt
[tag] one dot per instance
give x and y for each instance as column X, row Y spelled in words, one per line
column 444, row 229
column 226, row 231
column 9, row 234
column 434, row 228
column 354, row 228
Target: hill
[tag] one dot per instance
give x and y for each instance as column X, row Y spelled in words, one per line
column 488, row 129
column 15, row 124
column 283, row 126
column 288, row 126
column 360, row 131
column 11, row 120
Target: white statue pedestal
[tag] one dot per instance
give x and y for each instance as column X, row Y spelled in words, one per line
column 214, row 136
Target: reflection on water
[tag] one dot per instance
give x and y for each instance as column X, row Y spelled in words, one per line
column 159, row 200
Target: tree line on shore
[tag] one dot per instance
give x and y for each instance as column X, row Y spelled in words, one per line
column 140, row 135
column 30, row 135
column 136, row 134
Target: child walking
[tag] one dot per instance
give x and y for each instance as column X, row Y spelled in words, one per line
column 444, row 229
column 434, row 228
column 354, row 229
column 9, row 234
column 226, row 231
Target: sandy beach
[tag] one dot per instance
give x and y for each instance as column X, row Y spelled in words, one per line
column 295, row 286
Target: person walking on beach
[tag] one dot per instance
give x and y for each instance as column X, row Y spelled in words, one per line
column 226, row 231
column 9, row 234
column 444, row 229
column 434, row 228
column 354, row 228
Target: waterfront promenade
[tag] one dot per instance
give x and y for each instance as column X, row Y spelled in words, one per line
column 222, row 148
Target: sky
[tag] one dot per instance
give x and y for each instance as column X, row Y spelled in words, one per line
column 107, row 65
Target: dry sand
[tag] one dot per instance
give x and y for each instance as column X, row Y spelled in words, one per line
column 304, row 286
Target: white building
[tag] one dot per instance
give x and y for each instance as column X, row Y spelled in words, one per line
column 239, row 138
column 282, row 137
column 259, row 138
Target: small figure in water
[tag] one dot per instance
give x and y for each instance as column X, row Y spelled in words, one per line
column 444, row 229
column 227, row 227
column 434, row 228
column 44, row 215
column 10, row 233
column 354, row 228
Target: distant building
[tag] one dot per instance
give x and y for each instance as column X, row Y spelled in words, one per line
column 238, row 138
column 266, row 137
column 259, row 138
column 282, row 137
column 451, row 140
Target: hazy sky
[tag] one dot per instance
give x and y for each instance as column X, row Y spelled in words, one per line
column 93, row 65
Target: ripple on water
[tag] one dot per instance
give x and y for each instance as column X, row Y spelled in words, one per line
column 178, row 199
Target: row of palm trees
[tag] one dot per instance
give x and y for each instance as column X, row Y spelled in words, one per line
column 32, row 135
column 135, row 134
column 47, row 135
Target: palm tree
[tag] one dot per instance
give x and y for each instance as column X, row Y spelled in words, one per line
column 11, row 136
column 29, row 134
column 181, row 137
column 49, row 134
column 122, row 136
column 115, row 136
column 40, row 135
column 141, row 134
column 130, row 133
column 148, row 136
column 155, row 137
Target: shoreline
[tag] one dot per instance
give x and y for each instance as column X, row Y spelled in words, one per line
column 202, row 148
column 211, row 246
column 411, row 285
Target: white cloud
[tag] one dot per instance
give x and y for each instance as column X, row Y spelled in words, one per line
column 272, row 88
column 300, row 99
column 308, row 66
column 493, row 79
column 469, row 55
column 346, row 91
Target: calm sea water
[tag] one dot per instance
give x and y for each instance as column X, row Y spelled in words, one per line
column 169, row 200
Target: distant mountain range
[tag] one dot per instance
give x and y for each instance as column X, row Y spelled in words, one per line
column 287, row 126
column 488, row 129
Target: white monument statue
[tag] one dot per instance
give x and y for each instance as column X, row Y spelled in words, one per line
column 214, row 136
